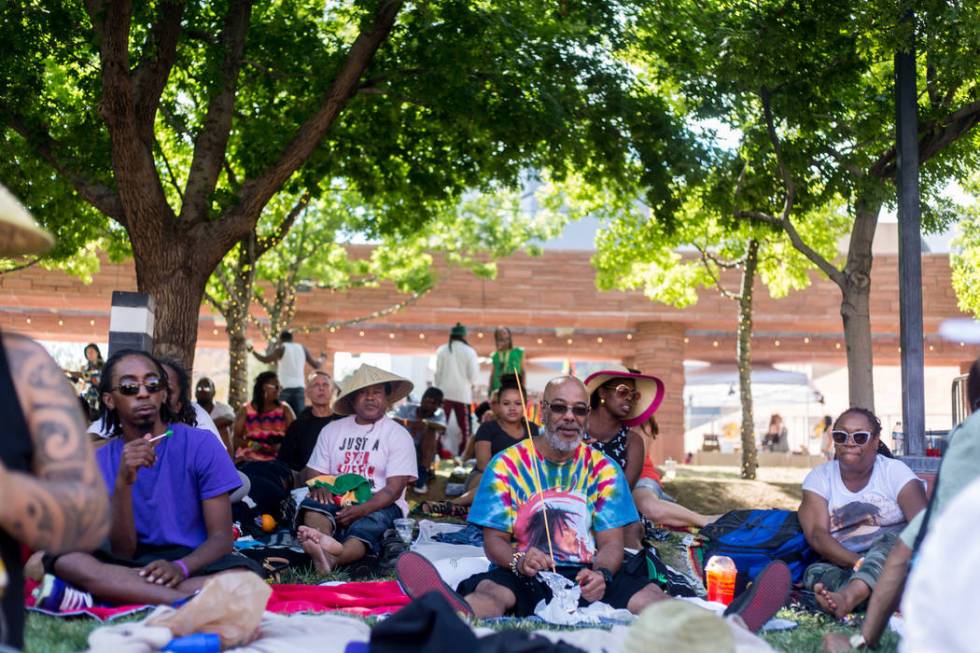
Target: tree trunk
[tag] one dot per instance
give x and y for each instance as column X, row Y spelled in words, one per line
column 178, row 291
column 237, row 322
column 175, row 276
column 750, row 459
column 855, row 305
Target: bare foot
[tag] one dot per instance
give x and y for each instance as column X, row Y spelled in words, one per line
column 34, row 567
column 321, row 547
column 841, row 603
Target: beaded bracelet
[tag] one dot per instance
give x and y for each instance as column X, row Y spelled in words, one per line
column 515, row 562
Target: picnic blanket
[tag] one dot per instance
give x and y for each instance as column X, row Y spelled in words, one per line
column 363, row 599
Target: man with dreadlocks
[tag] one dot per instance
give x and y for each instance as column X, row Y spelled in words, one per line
column 169, row 486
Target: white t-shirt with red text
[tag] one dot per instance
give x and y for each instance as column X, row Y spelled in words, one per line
column 375, row 451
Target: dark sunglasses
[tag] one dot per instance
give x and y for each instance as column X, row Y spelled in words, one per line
column 561, row 409
column 859, row 438
column 131, row 387
column 627, row 393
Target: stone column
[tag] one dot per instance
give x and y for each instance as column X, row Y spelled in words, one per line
column 660, row 351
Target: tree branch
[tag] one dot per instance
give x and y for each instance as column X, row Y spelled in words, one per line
column 48, row 149
column 139, row 187
column 22, row 266
column 218, row 306
column 212, row 139
column 933, row 139
column 151, row 74
column 270, row 241
column 715, row 279
column 256, row 192
column 170, row 171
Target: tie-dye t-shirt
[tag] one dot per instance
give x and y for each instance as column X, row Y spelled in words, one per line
column 585, row 494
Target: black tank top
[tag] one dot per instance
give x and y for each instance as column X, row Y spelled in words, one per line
column 16, row 452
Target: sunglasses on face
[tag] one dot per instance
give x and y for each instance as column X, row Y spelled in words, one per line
column 859, row 438
column 561, row 409
column 626, row 393
column 130, row 386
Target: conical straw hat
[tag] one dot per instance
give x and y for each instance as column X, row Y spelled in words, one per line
column 363, row 377
column 19, row 234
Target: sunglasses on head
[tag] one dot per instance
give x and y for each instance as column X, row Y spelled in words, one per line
column 626, row 393
column 859, row 438
column 129, row 386
column 561, row 409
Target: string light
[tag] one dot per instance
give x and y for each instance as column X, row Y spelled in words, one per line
column 28, row 320
column 686, row 340
column 714, row 343
column 421, row 336
column 360, row 333
column 931, row 348
column 806, row 340
column 777, row 343
column 91, row 322
column 837, row 345
column 629, row 336
column 962, row 344
column 540, row 341
column 391, row 336
column 479, row 334
column 599, row 340
column 569, row 341
column 214, row 331
column 61, row 323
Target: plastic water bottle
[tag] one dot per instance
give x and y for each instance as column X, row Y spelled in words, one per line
column 196, row 643
column 898, row 438
column 670, row 469
column 720, row 573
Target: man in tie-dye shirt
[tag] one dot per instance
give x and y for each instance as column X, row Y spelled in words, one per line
column 587, row 505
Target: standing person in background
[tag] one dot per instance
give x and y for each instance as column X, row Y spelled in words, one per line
column 53, row 496
column 826, row 441
column 457, row 368
column 506, row 359
column 776, row 435
column 222, row 414
column 291, row 357
column 90, row 374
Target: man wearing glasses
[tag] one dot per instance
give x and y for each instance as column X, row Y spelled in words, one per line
column 578, row 531
column 169, row 487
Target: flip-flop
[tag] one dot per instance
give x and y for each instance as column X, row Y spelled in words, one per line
column 764, row 597
column 417, row 577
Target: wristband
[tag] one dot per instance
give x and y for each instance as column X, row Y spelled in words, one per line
column 607, row 575
column 515, row 562
column 857, row 641
column 183, row 567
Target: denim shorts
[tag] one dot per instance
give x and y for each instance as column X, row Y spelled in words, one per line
column 369, row 529
column 652, row 485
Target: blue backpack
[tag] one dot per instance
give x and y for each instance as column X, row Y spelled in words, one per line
column 754, row 538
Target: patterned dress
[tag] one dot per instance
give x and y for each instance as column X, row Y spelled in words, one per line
column 615, row 447
column 264, row 433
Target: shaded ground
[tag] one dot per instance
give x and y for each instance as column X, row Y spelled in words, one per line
column 709, row 490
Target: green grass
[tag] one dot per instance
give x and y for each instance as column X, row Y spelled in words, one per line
column 694, row 487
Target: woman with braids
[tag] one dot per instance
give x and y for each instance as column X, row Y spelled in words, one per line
column 261, row 423
column 853, row 509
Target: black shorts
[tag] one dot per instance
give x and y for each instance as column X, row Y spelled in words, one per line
column 529, row 591
column 146, row 554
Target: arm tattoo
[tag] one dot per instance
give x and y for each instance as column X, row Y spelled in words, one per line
column 62, row 505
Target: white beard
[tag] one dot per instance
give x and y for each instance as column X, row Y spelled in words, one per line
column 560, row 444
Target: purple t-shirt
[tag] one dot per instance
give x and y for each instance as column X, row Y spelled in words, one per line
column 191, row 466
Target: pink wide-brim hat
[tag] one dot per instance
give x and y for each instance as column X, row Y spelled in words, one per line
column 650, row 387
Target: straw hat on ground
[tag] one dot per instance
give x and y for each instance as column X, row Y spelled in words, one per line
column 678, row 625
column 651, row 391
column 19, row 234
column 363, row 377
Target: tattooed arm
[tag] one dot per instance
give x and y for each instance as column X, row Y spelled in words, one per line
column 62, row 505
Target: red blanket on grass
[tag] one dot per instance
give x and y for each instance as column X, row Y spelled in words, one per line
column 369, row 598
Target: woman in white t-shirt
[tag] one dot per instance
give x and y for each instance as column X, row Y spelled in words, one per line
column 853, row 509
